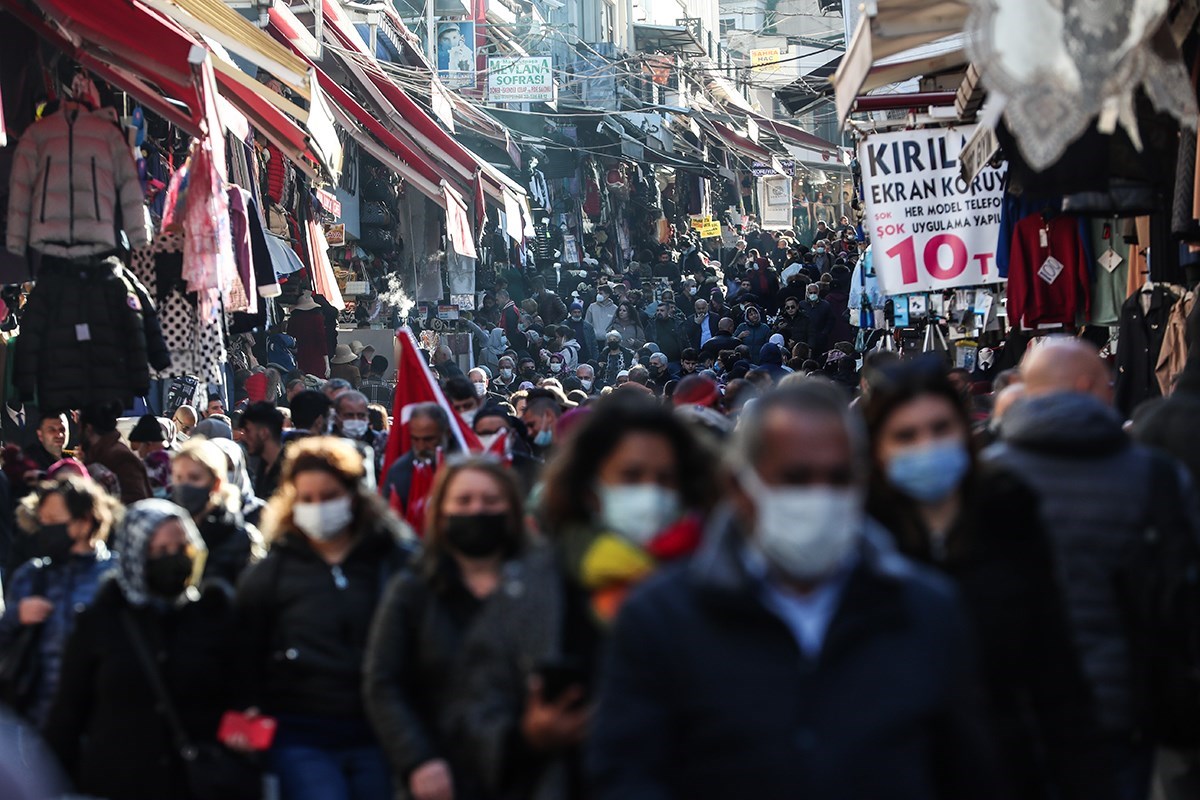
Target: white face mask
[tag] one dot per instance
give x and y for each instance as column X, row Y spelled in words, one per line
column 354, row 428
column 506, row 373
column 806, row 532
column 586, row 383
column 638, row 511
column 480, row 389
column 556, row 367
column 323, row 521
column 469, row 416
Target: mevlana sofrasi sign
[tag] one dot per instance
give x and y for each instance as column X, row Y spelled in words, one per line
column 520, row 80
column 929, row 228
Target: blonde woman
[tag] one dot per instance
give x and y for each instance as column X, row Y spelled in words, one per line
column 200, row 486
column 306, row 612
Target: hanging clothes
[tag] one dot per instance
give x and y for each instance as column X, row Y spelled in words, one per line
column 1140, row 341
column 1048, row 277
column 1108, row 285
column 1174, row 352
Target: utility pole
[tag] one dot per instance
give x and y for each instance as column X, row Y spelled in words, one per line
column 431, row 43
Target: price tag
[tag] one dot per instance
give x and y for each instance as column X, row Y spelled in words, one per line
column 83, row 333
column 1044, row 237
column 1050, row 270
column 1110, row 260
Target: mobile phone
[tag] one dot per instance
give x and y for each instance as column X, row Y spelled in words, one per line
column 559, row 675
column 259, row 731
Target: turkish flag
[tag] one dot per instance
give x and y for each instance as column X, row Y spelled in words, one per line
column 416, row 383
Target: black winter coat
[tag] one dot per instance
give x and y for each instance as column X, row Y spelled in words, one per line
column 416, row 640
column 706, row 694
column 998, row 555
column 230, row 541
column 104, row 725
column 88, row 336
column 304, row 624
column 1141, row 337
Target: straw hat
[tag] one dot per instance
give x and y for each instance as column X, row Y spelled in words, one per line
column 343, row 355
column 357, row 347
column 306, row 302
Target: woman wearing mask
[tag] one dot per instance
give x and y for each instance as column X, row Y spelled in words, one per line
column 305, row 614
column 625, row 322
column 982, row 529
column 106, row 725
column 622, row 496
column 475, row 524
column 75, row 516
column 200, row 486
column 506, row 381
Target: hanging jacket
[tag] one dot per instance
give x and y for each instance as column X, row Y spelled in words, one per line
column 70, row 172
column 83, row 337
column 1138, row 346
column 1174, row 352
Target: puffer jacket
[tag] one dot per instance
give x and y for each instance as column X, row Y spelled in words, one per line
column 1094, row 489
column 84, row 337
column 70, row 172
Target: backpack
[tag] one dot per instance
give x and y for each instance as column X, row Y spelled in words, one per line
column 1160, row 592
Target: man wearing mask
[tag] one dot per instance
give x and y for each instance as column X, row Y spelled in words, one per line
column 820, row 320
column 262, row 435
column 600, row 313
column 582, row 331
column 428, row 428
column 102, row 445
column 587, row 379
column 482, row 385
column 792, row 612
column 1099, row 493
column 615, row 358
column 505, row 382
column 352, row 421
column 659, row 372
column 541, row 417
column 822, row 259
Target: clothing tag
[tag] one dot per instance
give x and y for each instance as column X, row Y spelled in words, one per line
column 1050, row 270
column 1044, row 237
column 1110, row 260
column 83, row 333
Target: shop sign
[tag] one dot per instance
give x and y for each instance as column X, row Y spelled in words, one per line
column 447, row 313
column 464, row 302
column 358, row 287
column 765, row 60
column 335, row 235
column 520, row 80
column 787, row 165
column 930, row 228
column 708, row 227
column 456, row 54
column 330, row 203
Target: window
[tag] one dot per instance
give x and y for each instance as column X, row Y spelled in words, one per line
column 728, row 24
column 608, row 21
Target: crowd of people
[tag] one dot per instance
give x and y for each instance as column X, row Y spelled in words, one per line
column 697, row 553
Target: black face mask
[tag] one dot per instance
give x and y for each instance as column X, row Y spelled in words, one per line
column 192, row 499
column 53, row 542
column 476, row 535
column 614, row 346
column 167, row 576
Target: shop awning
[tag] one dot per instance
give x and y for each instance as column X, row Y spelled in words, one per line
column 280, row 130
column 888, row 28
column 666, row 38
column 239, row 36
column 743, row 145
column 128, row 44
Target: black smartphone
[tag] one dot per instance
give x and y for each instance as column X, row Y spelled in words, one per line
column 558, row 675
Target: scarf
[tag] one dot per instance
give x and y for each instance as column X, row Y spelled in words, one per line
column 132, row 539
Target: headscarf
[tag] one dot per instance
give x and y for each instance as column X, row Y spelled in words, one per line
column 494, row 347
column 132, row 539
column 238, row 476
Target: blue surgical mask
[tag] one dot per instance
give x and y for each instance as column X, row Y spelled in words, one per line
column 928, row 473
column 544, row 437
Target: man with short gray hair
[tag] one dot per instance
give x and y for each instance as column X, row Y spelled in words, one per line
column 795, row 655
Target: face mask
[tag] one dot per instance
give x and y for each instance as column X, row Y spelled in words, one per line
column 929, row 473
column 504, row 340
column 586, row 383
column 576, row 316
column 506, row 374
column 476, row 535
column 52, row 542
column 805, row 531
column 556, row 367
column 192, row 499
column 692, row 290
column 323, row 521
column 168, row 576
column 638, row 511
column 355, row 428
column 812, row 298
column 544, row 438
column 614, row 345
column 480, row 389
column 820, row 250
column 600, row 298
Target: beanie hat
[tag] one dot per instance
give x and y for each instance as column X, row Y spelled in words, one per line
column 695, row 390
column 147, row 429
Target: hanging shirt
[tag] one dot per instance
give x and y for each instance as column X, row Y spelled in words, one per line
column 1047, row 277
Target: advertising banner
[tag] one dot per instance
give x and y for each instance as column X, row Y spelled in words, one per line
column 456, row 54
column 930, row 229
column 520, row 80
column 775, row 202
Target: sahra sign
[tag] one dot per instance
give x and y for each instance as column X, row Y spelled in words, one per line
column 929, row 228
column 520, row 80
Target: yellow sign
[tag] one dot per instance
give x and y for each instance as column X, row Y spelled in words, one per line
column 765, row 60
column 708, row 227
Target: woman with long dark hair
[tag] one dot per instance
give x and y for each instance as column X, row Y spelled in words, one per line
column 981, row 528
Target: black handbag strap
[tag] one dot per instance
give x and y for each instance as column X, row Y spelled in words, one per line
column 182, row 743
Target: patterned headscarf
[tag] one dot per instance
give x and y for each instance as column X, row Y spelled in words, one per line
column 132, row 539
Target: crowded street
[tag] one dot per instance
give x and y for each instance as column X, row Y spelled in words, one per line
column 599, row 400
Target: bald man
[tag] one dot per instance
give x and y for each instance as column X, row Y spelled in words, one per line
column 1098, row 492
